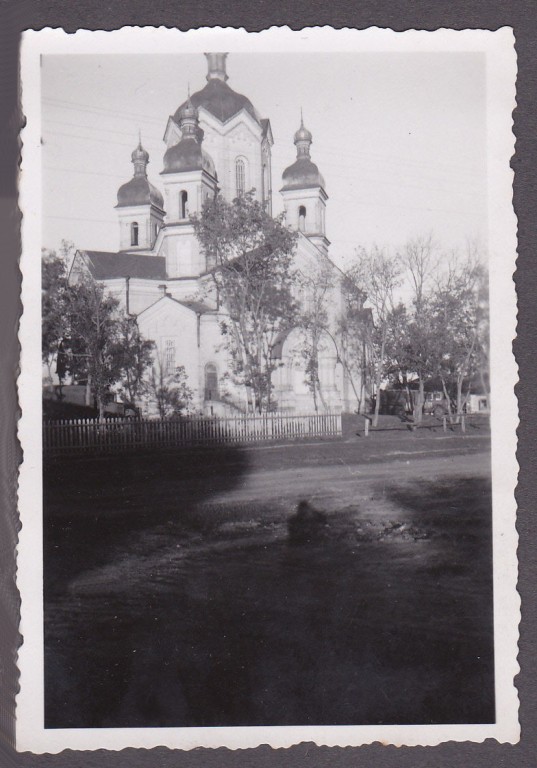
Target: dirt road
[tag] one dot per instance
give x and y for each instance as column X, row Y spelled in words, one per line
column 176, row 594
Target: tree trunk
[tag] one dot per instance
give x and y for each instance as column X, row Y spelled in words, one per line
column 378, row 381
column 321, row 396
column 459, row 397
column 418, row 406
column 314, row 394
column 448, row 400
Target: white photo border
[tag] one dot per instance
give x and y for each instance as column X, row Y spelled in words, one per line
column 501, row 80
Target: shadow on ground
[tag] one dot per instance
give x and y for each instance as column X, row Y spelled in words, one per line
column 166, row 606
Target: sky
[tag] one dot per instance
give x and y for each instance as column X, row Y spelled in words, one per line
column 400, row 138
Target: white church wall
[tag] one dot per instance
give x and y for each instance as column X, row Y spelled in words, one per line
column 174, row 329
column 142, row 293
column 310, row 199
column 182, row 252
column 240, row 137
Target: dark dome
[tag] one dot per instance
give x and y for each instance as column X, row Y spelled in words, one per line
column 139, row 191
column 140, row 155
column 220, row 100
column 302, row 174
column 187, row 155
column 303, row 134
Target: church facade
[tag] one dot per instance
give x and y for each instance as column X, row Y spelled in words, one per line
column 216, row 142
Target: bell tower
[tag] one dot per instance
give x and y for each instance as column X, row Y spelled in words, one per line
column 189, row 178
column 304, row 194
column 140, row 207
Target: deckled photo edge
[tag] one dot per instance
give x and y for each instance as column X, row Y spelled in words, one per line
column 501, row 66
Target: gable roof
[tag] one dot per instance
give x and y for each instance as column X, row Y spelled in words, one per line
column 105, row 265
column 198, row 307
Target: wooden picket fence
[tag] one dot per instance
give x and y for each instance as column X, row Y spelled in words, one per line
column 122, row 435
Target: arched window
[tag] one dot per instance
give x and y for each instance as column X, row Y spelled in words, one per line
column 211, row 382
column 302, row 218
column 183, row 204
column 240, row 176
column 134, row 233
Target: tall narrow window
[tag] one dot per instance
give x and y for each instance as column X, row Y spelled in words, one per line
column 302, row 218
column 169, row 356
column 134, row 233
column 211, row 382
column 240, row 176
column 184, row 204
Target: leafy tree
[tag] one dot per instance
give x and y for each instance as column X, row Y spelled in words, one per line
column 53, row 309
column 169, row 389
column 250, row 256
column 93, row 338
column 134, row 355
column 90, row 337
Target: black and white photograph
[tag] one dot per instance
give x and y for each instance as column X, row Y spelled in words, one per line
column 267, row 389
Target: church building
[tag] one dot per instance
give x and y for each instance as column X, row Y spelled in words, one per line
column 217, row 142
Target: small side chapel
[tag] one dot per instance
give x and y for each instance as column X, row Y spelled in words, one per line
column 216, row 142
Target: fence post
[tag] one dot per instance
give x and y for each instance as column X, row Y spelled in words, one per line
column 366, row 426
column 444, row 423
column 463, row 422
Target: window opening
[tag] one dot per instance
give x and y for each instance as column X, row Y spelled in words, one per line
column 211, row 382
column 134, row 233
column 302, row 218
column 240, row 177
column 169, row 356
column 184, row 204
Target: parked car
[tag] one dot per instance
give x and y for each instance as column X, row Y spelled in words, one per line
column 436, row 404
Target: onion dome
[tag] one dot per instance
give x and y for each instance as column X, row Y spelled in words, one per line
column 303, row 173
column 139, row 156
column 217, row 97
column 139, row 190
column 188, row 154
column 303, row 135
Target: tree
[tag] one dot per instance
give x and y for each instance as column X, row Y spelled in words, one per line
column 459, row 318
column 134, row 355
column 355, row 334
column 93, row 337
column 419, row 349
column 420, row 259
column 53, row 308
column 378, row 275
column 169, row 389
column 250, row 255
column 88, row 335
column 313, row 319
